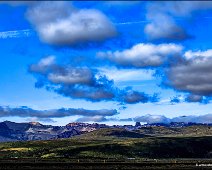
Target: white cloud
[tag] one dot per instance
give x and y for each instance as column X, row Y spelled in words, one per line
column 119, row 75
column 162, row 26
column 59, row 23
column 143, row 55
column 161, row 16
column 203, row 54
column 193, row 75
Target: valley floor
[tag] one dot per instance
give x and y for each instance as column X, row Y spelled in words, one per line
column 110, row 149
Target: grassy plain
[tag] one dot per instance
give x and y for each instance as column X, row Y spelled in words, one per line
column 112, row 147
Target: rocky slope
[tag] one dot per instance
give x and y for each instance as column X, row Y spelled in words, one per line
column 11, row 131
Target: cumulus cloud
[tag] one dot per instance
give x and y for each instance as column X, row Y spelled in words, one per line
column 58, row 74
column 83, row 83
column 59, row 23
column 163, row 119
column 162, row 26
column 53, row 113
column 161, row 17
column 193, row 75
column 74, row 82
column 143, row 55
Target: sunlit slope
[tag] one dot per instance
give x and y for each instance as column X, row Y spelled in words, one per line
column 111, row 133
column 196, row 130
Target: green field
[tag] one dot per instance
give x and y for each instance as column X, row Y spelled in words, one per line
column 111, row 145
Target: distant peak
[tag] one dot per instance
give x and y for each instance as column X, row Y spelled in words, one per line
column 35, row 123
column 7, row 121
column 75, row 124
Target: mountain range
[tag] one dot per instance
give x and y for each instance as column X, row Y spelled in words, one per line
column 11, row 131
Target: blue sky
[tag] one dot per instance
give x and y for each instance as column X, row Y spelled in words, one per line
column 109, row 62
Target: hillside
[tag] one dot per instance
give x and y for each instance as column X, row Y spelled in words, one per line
column 111, row 132
column 196, row 130
column 109, row 144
